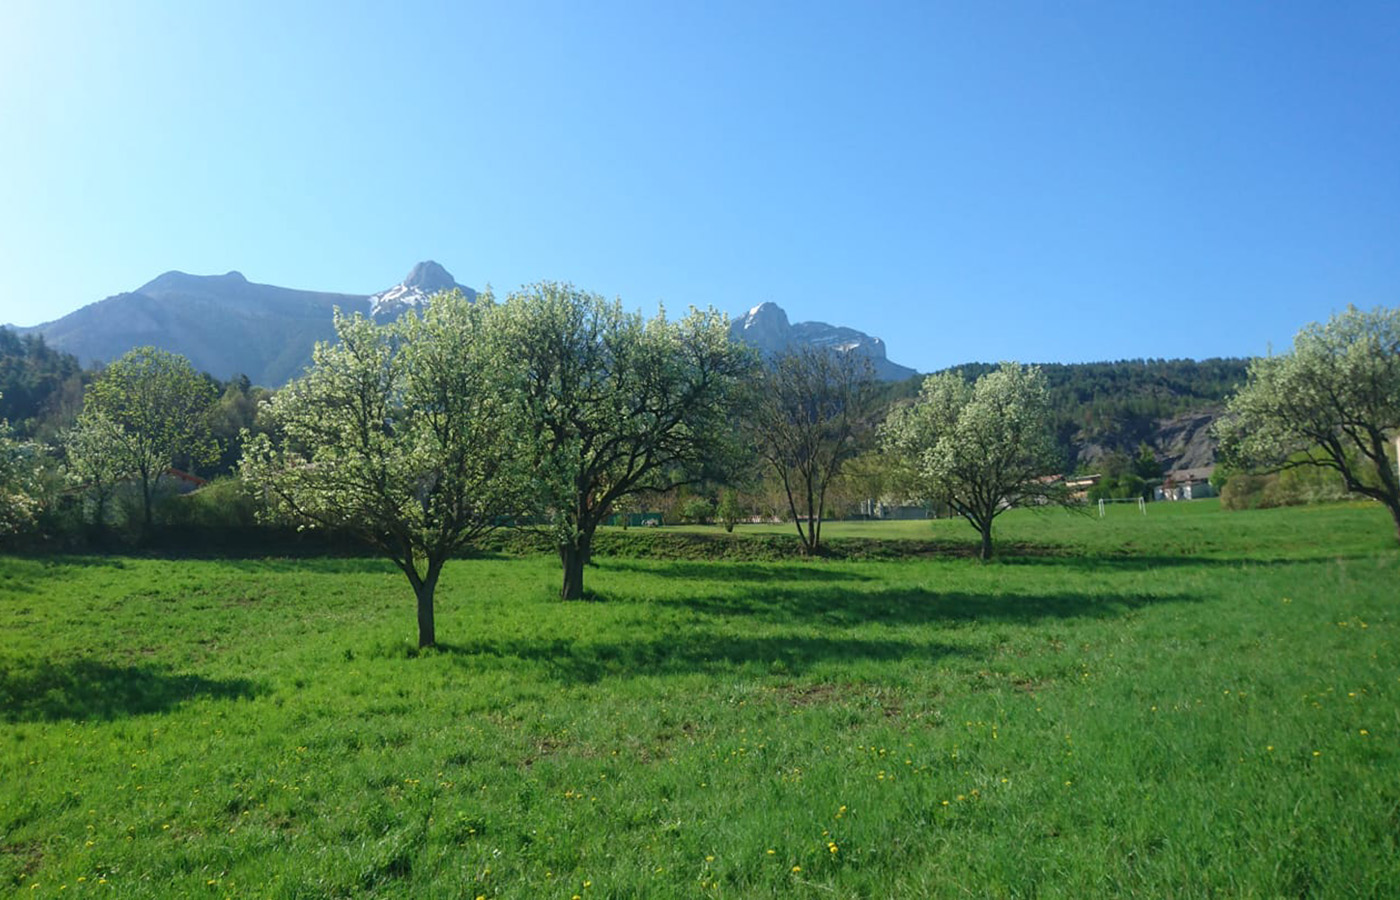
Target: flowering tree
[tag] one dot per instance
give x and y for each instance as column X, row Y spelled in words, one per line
column 981, row 448
column 400, row 434
column 612, row 405
column 21, row 484
column 149, row 409
column 1333, row 402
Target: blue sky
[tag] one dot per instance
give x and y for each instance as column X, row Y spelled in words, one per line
column 971, row 181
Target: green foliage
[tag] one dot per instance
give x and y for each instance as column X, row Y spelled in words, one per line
column 235, row 413
column 1332, row 402
column 148, row 411
column 400, row 434
column 1118, row 404
column 814, row 412
column 697, row 510
column 614, row 405
column 21, row 482
column 730, row 509
column 1083, row 710
column 1290, row 487
column 41, row 389
column 981, row 448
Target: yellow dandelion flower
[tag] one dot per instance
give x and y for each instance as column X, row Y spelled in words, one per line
column 794, row 868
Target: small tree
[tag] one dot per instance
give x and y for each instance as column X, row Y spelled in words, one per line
column 815, row 410
column 981, row 448
column 400, row 434
column 730, row 508
column 1333, row 402
column 616, row 405
column 93, row 468
column 21, row 482
column 153, row 408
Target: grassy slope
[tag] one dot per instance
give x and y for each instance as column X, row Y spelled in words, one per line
column 1183, row 704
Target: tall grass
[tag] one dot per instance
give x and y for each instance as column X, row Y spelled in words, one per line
column 1189, row 703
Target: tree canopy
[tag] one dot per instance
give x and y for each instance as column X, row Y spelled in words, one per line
column 400, row 434
column 613, row 404
column 153, row 408
column 1333, row 401
column 21, row 485
column 981, row 448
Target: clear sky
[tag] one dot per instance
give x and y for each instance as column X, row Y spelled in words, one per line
column 1048, row 182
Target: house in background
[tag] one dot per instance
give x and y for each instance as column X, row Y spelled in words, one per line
column 1079, row 486
column 1186, row 484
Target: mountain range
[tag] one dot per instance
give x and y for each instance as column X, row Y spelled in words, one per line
column 227, row 325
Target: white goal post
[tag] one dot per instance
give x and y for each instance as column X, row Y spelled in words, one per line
column 1103, row 505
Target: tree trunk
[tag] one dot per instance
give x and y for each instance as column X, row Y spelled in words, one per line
column 427, row 628
column 571, row 557
column 985, row 553
column 148, row 490
column 1394, row 505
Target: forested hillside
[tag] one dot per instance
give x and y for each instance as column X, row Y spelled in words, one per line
column 40, row 388
column 1102, row 408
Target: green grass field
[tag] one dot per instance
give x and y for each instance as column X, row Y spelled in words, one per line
column 1190, row 703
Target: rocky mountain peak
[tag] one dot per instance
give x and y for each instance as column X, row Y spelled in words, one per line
column 766, row 327
column 426, row 279
column 430, row 278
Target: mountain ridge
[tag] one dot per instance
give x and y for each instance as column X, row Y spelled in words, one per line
column 227, row 325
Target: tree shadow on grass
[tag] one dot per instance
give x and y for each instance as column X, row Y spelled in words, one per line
column 729, row 571
column 582, row 662
column 83, row 689
column 914, row 606
column 1133, row 562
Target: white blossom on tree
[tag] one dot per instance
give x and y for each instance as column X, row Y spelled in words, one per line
column 1333, row 401
column 613, row 404
column 980, row 448
column 21, row 482
column 400, row 434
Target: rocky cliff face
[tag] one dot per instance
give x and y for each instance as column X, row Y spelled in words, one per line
column 1185, row 441
column 1180, row 442
column 766, row 327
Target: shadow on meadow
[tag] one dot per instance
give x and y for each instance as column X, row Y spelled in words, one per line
column 1129, row 561
column 697, row 652
column 85, row 689
column 757, row 572
column 912, row 606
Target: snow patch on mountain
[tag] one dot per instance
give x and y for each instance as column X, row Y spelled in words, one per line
column 426, row 279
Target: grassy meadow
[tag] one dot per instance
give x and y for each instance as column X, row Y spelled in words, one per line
column 1184, row 704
